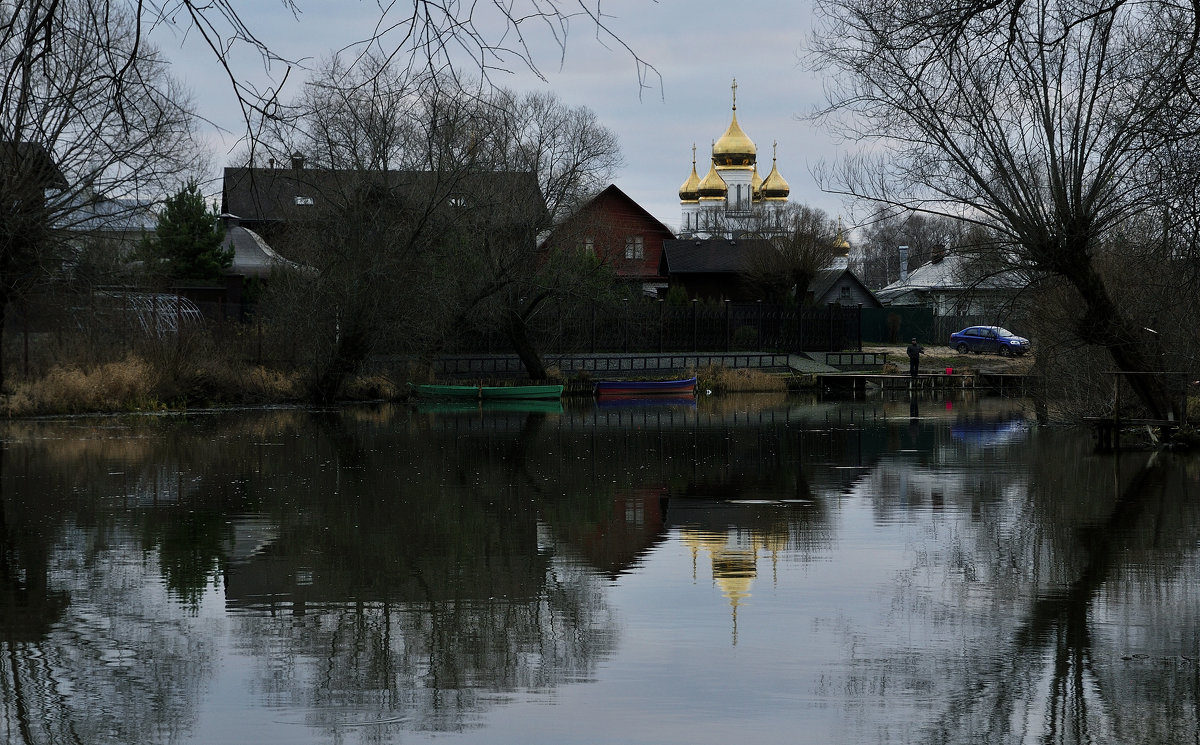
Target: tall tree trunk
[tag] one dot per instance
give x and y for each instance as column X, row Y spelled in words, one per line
column 349, row 353
column 1132, row 348
column 4, row 294
column 518, row 336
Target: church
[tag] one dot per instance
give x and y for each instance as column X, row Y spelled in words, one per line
column 732, row 198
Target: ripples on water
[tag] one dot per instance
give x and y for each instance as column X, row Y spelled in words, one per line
column 759, row 569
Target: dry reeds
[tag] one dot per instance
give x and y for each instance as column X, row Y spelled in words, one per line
column 113, row 386
column 719, row 379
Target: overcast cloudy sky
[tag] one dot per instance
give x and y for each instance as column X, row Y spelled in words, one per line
column 697, row 48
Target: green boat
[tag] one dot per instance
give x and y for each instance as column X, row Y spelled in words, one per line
column 503, row 392
column 490, row 406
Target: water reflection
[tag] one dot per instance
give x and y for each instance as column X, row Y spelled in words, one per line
column 895, row 571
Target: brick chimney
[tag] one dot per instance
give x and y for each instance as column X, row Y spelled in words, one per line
column 904, row 263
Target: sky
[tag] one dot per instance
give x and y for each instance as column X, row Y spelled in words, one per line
column 696, row 49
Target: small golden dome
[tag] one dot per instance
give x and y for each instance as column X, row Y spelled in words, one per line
column 774, row 187
column 712, row 186
column 734, row 149
column 690, row 191
column 840, row 244
column 756, row 185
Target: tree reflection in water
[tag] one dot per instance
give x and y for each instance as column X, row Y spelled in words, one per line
column 405, row 572
column 1097, row 538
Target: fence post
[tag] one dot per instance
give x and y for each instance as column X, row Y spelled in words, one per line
column 799, row 328
column 661, row 305
column 860, row 327
column 626, row 324
column 727, row 322
column 25, row 335
column 830, row 314
column 695, row 326
column 760, row 325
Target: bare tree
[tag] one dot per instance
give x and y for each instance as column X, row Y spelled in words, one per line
column 435, row 40
column 1047, row 122
column 431, row 209
column 804, row 240
column 87, row 114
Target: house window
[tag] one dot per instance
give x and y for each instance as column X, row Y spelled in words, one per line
column 457, row 200
column 635, row 247
column 304, row 201
column 845, row 299
column 589, row 245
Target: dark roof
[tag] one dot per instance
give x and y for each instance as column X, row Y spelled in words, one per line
column 712, row 255
column 34, row 160
column 285, row 194
column 824, row 280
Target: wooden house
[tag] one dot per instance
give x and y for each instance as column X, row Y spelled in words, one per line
column 620, row 233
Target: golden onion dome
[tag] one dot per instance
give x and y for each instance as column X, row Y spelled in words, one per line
column 690, row 191
column 756, row 185
column 712, row 186
column 774, row 187
column 840, row 244
column 734, row 149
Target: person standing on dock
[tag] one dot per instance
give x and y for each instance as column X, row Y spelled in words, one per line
column 914, row 358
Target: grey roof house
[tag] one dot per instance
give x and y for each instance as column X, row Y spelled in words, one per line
column 951, row 285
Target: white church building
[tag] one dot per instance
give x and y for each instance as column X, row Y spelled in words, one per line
column 732, row 198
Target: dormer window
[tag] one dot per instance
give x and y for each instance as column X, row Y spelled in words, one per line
column 304, row 201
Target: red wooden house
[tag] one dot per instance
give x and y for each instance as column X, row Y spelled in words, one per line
column 621, row 234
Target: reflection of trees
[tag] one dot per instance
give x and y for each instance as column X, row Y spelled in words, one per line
column 118, row 664
column 1058, row 611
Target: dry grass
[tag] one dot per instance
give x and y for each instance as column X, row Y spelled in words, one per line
column 720, row 379
column 124, row 385
column 137, row 384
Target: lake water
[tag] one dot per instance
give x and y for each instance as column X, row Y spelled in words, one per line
column 756, row 569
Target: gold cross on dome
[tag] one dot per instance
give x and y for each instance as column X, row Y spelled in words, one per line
column 734, row 87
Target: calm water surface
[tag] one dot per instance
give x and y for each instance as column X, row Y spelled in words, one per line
column 761, row 569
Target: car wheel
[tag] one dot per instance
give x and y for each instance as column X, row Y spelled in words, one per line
column 962, row 348
column 1002, row 351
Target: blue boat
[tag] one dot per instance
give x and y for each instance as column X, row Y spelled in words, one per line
column 684, row 387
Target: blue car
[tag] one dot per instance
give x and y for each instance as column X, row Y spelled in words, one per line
column 996, row 339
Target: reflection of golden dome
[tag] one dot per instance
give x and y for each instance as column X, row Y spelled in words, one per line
column 690, row 191
column 737, row 566
column 734, row 149
column 734, row 571
column 774, row 187
column 702, row 539
column 712, row 186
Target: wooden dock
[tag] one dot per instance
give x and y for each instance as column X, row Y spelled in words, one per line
column 859, row 382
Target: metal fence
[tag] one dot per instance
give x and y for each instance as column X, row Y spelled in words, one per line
column 660, row 328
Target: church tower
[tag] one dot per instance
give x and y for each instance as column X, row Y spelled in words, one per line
column 732, row 198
